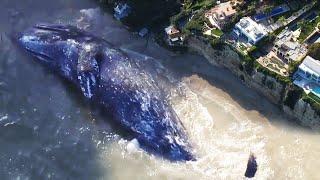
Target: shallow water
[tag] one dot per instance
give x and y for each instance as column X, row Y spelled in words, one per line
column 47, row 131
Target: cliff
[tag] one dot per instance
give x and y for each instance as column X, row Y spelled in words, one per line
column 305, row 114
column 268, row 86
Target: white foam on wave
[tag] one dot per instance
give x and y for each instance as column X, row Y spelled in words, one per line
column 5, row 117
column 228, row 147
column 133, row 146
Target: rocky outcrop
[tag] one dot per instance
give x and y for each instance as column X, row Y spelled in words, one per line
column 224, row 57
column 305, row 114
column 266, row 85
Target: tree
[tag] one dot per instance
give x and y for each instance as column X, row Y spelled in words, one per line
column 314, row 51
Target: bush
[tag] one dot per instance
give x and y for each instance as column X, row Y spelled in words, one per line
column 196, row 24
column 265, row 41
column 217, row 32
column 293, row 96
column 293, row 67
column 248, row 64
column 314, row 51
column 314, row 102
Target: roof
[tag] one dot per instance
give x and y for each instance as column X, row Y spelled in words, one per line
column 285, row 35
column 251, row 29
column 171, row 30
column 311, row 65
column 222, row 10
column 289, row 45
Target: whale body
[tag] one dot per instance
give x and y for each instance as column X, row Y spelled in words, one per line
column 120, row 84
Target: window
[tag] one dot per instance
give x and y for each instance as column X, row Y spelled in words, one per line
column 314, row 77
column 308, row 75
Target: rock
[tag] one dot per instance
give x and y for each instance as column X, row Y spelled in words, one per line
column 252, row 167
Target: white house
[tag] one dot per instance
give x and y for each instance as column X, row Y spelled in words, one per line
column 308, row 75
column 252, row 31
column 310, row 69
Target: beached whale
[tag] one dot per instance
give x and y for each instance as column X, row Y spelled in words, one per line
column 108, row 76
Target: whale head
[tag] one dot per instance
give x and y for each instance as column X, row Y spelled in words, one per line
column 41, row 40
column 60, row 47
column 50, row 42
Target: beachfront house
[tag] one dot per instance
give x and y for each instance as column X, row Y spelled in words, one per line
column 121, row 11
column 220, row 15
column 308, row 76
column 251, row 31
column 174, row 36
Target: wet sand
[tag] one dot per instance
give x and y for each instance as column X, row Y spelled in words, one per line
column 48, row 131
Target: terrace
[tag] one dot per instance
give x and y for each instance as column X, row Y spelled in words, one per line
column 273, row 63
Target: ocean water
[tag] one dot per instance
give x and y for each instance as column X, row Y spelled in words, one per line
column 48, row 131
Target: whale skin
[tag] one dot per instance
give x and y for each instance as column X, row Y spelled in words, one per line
column 121, row 85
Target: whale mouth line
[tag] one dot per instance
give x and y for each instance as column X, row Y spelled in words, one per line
column 41, row 56
column 51, row 28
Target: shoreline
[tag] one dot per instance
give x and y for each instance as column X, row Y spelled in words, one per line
column 274, row 90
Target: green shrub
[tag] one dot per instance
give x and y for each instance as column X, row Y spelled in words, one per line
column 314, row 51
column 293, row 67
column 265, row 41
column 314, row 102
column 293, row 96
column 217, row 32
